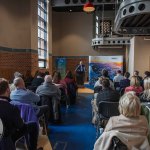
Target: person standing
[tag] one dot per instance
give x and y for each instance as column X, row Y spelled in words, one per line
column 80, row 74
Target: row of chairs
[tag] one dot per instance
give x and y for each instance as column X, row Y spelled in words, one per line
column 105, row 111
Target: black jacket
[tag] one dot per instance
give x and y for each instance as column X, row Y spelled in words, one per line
column 108, row 95
column 12, row 121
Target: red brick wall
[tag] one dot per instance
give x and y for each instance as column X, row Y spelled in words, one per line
column 17, row 61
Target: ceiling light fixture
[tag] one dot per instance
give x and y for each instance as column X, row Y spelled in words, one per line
column 88, row 7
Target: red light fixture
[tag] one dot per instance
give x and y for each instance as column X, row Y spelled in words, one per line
column 88, row 7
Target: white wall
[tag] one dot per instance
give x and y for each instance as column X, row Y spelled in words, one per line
column 131, row 56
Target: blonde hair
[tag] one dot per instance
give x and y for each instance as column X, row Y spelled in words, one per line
column 146, row 92
column 134, row 81
column 129, row 105
column 147, row 83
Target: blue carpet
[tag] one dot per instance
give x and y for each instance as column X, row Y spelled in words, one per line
column 89, row 86
column 76, row 132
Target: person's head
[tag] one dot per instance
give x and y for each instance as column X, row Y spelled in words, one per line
column 17, row 74
column 129, row 105
column 147, row 83
column 4, row 87
column 56, row 77
column 48, row 79
column 104, row 73
column 69, row 74
column 105, row 83
column 118, row 71
column 19, row 83
column 127, row 75
column 147, row 73
column 47, row 73
column 136, row 73
column 81, row 62
column 134, row 81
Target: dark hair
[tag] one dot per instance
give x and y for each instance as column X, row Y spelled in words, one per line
column 104, row 73
column 105, row 83
column 56, row 77
column 69, row 74
column 127, row 75
column 47, row 73
column 136, row 72
column 147, row 73
column 3, row 85
column 118, row 71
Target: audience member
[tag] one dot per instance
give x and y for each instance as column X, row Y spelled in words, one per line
column 69, row 77
column 130, row 127
column 136, row 73
column 105, row 76
column 49, row 89
column 28, row 78
column 107, row 94
column 16, row 75
column 117, row 80
column 125, row 82
column 145, row 95
column 21, row 94
column 14, row 127
column 38, row 80
column 134, row 85
column 61, row 84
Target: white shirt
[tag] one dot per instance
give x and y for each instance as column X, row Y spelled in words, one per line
column 118, row 78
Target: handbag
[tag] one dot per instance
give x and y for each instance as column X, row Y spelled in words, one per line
column 117, row 144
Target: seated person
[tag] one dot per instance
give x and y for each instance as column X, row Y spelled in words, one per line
column 134, row 86
column 69, row 77
column 28, row 78
column 145, row 95
column 125, row 82
column 38, row 80
column 117, row 80
column 49, row 89
column 105, row 76
column 22, row 95
column 56, row 79
column 136, row 73
column 106, row 94
column 130, row 127
column 16, row 75
column 14, row 127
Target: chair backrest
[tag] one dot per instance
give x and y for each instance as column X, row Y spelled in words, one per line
column 108, row 109
column 1, row 129
column 48, row 100
column 27, row 111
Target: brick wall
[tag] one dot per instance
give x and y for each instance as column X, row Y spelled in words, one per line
column 72, row 62
column 17, row 61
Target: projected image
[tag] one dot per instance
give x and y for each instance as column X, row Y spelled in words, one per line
column 97, row 63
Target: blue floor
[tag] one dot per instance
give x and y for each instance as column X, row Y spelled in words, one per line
column 76, row 132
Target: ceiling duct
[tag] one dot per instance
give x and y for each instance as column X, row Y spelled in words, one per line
column 133, row 17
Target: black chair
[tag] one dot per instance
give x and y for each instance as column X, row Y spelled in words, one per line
column 72, row 92
column 105, row 111
column 54, row 108
column 117, row 86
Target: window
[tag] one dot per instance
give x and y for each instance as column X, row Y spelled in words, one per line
column 42, row 33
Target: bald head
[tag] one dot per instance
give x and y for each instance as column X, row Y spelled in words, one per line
column 48, row 79
column 19, row 83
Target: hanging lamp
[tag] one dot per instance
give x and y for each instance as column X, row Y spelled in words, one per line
column 88, row 7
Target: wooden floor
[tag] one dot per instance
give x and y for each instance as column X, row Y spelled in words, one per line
column 85, row 90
